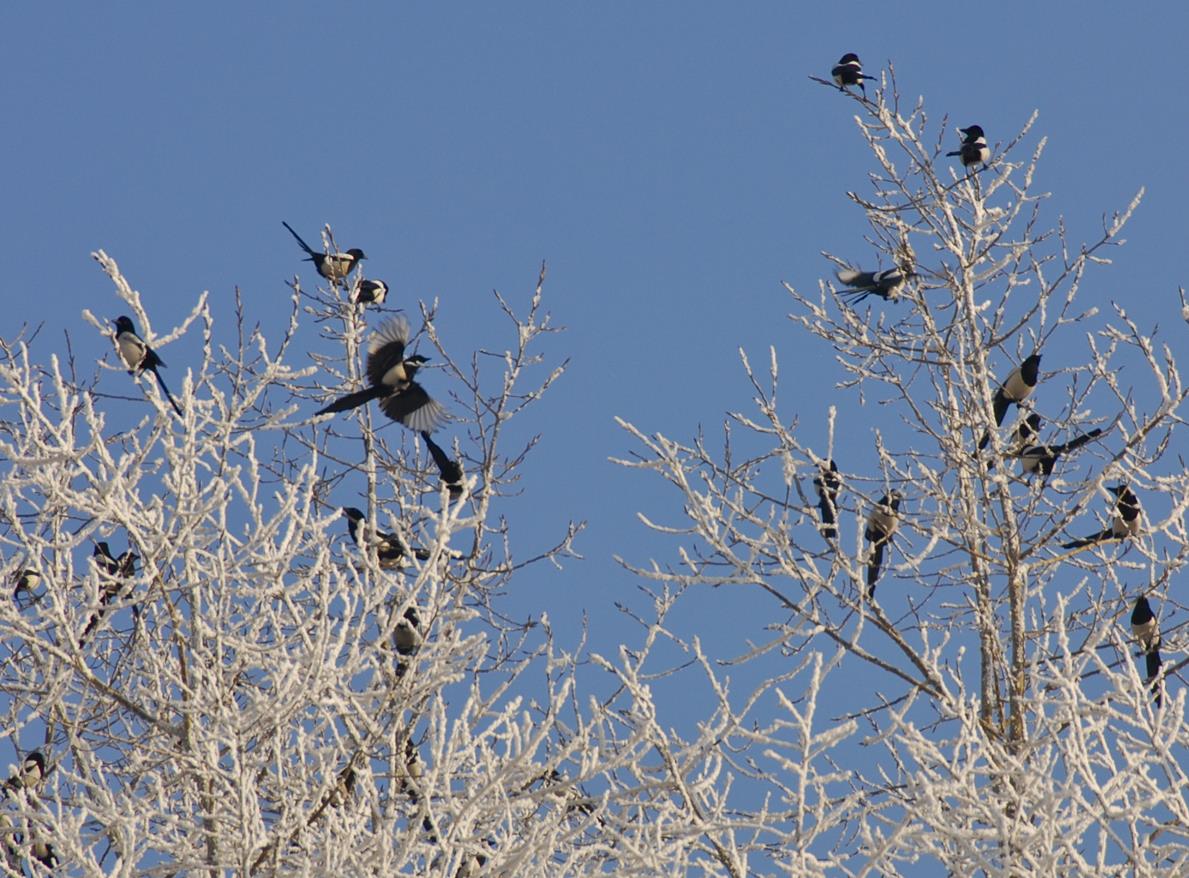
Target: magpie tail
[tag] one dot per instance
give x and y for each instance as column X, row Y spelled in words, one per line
column 1090, row 540
column 304, row 245
column 353, row 400
column 1076, row 443
column 173, row 402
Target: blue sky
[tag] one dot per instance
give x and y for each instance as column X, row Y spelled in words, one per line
column 671, row 162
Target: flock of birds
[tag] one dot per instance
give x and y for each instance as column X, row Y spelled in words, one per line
column 1035, row 457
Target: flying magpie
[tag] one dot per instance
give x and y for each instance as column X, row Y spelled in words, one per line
column 886, row 284
column 848, row 71
column 1017, row 387
column 974, row 147
column 1147, row 633
column 114, row 572
column 1125, row 521
column 881, row 525
column 332, row 266
column 389, row 549
column 1042, row 458
column 371, row 292
column 390, row 376
column 827, row 483
column 450, row 470
column 31, row 774
column 139, row 357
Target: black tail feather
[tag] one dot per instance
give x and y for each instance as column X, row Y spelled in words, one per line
column 1090, row 540
column 353, row 400
column 304, row 245
column 874, row 565
column 1074, row 444
column 173, row 402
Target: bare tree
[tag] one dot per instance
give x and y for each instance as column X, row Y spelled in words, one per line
column 979, row 576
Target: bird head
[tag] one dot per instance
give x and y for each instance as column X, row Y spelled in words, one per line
column 353, row 514
column 974, row 132
column 124, row 324
column 848, row 58
column 356, row 254
column 413, row 363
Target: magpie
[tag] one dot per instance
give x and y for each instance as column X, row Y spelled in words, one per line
column 332, row 266
column 371, row 292
column 390, row 376
column 389, row 549
column 450, row 470
column 407, row 638
column 1017, row 387
column 43, row 852
column 114, row 572
column 31, row 774
column 1125, row 521
column 1042, row 458
column 881, row 525
column 974, row 147
column 886, row 284
column 827, row 484
column 848, row 71
column 139, row 357
column 25, row 580
column 1147, row 633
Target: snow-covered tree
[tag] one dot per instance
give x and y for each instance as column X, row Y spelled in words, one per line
column 974, row 638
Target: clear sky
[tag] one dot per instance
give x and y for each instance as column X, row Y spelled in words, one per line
column 671, row 162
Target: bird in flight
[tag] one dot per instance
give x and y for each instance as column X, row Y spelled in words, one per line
column 390, row 380
column 333, row 266
column 848, row 71
column 1125, row 520
column 974, row 147
column 886, row 284
column 881, row 525
column 139, row 357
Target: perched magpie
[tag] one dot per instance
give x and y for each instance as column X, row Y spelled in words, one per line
column 974, row 147
column 450, row 470
column 886, row 284
column 848, row 71
column 25, row 580
column 332, row 266
column 414, row 771
column 390, row 375
column 42, row 851
column 114, row 573
column 1016, row 388
column 1125, row 521
column 371, row 292
column 881, row 525
column 139, row 357
column 1147, row 633
column 31, row 774
column 389, row 548
column 827, row 484
column 1042, row 458
column 407, row 638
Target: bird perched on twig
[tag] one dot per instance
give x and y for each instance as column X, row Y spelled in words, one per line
column 389, row 548
column 1147, row 632
column 886, row 284
column 24, row 579
column 881, row 525
column 827, row 483
column 974, row 147
column 1042, row 458
column 848, row 71
column 390, row 378
column 1125, row 520
column 1016, row 388
column 333, row 266
column 31, row 774
column 407, row 638
column 139, row 357
column 371, row 292
column 449, row 469
column 114, row 573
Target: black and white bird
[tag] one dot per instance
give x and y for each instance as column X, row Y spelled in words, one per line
column 1147, row 633
column 828, row 483
column 333, row 266
column 1042, row 458
column 42, row 851
column 449, row 469
column 390, row 380
column 114, row 575
column 139, row 357
column 1125, row 520
column 25, row 579
column 31, row 774
column 881, row 526
column 1016, row 388
column 371, row 292
column 886, row 284
column 974, row 149
column 407, row 638
column 848, row 71
column 389, row 549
